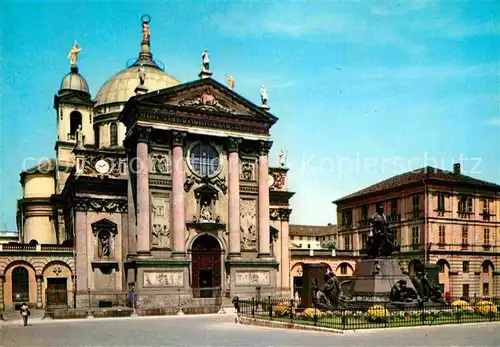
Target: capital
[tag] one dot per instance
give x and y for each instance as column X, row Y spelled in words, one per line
column 285, row 214
column 143, row 134
column 234, row 144
column 178, row 138
column 265, row 147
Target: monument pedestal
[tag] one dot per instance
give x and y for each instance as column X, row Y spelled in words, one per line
column 374, row 279
column 309, row 273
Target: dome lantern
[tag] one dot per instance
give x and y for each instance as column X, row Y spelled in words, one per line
column 144, row 72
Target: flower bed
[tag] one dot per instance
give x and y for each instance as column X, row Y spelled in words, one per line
column 379, row 316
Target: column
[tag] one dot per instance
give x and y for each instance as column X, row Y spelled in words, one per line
column 178, row 220
column 285, row 250
column 234, row 197
column 2, row 303
column 142, row 177
column 39, row 301
column 264, row 247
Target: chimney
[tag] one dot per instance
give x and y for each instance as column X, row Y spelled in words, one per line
column 456, row 169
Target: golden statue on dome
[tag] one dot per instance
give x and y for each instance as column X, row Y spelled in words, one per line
column 146, row 33
column 73, row 54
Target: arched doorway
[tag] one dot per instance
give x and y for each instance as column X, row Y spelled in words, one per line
column 20, row 285
column 206, row 265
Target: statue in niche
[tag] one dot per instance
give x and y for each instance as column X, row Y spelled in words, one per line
column 104, row 244
column 205, row 211
column 205, row 61
column 79, row 136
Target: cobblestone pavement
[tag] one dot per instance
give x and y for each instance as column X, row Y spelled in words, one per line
column 220, row 330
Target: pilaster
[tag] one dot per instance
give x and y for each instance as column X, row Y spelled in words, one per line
column 2, row 303
column 39, row 299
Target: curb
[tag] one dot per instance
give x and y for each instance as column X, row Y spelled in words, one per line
column 287, row 325
column 284, row 325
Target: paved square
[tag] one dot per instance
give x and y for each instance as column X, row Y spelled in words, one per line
column 220, row 330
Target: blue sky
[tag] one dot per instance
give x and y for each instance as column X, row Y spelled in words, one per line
column 363, row 90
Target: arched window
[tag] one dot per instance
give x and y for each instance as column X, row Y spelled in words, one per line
column 75, row 120
column 96, row 136
column 20, row 284
column 204, row 159
column 113, row 134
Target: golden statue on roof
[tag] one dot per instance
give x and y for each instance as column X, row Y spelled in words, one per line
column 73, row 54
column 146, row 33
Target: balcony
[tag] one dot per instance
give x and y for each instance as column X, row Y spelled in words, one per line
column 416, row 214
column 395, row 217
column 364, row 223
column 465, row 214
column 450, row 247
column 24, row 247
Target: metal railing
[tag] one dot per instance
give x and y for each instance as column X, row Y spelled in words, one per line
column 357, row 316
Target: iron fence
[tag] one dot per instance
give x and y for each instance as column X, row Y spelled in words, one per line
column 357, row 316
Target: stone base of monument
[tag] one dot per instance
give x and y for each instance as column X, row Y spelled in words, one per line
column 374, row 279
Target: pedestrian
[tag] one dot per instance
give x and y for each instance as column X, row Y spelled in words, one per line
column 25, row 312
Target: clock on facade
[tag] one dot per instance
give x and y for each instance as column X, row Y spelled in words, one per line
column 102, row 166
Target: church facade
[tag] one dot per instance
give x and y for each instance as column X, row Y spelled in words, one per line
column 158, row 187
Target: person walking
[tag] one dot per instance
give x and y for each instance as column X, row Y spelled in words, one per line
column 25, row 312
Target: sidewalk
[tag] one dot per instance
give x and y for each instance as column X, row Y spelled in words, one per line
column 12, row 317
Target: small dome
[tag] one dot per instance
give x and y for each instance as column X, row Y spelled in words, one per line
column 121, row 87
column 74, row 81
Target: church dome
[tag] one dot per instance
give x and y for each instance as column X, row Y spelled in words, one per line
column 121, row 87
column 74, row 81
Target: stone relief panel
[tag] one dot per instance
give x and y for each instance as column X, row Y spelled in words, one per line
column 247, row 170
column 160, row 164
column 251, row 278
column 248, row 224
column 278, row 181
column 163, row 279
column 160, row 234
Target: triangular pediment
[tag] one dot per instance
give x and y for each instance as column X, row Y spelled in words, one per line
column 206, row 191
column 73, row 98
column 206, row 96
column 104, row 224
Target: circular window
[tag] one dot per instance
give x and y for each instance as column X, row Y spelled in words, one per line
column 204, row 159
